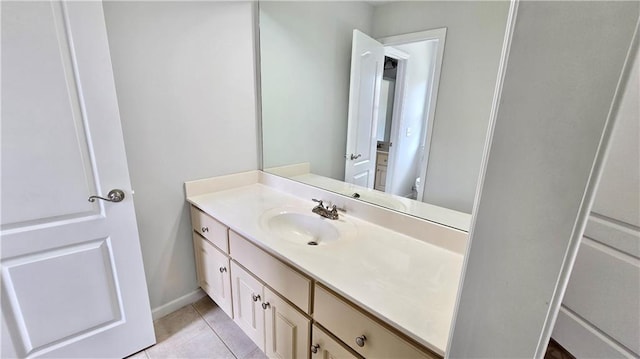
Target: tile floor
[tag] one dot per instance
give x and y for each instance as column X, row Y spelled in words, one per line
column 200, row 330
column 203, row 330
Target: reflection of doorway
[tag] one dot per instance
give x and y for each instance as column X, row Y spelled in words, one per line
column 389, row 115
column 390, row 123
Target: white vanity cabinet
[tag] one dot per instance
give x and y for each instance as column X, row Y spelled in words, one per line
column 247, row 300
column 382, row 159
column 359, row 331
column 278, row 328
column 212, row 261
column 285, row 280
column 272, row 303
column 324, row 346
column 286, row 329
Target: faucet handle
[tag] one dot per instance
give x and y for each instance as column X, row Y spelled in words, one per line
column 317, row 200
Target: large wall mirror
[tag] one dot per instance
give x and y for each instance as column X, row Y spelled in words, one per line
column 387, row 102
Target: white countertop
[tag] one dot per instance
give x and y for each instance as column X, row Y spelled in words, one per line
column 409, row 284
column 442, row 215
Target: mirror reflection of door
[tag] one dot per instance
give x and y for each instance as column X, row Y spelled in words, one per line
column 367, row 58
column 402, row 113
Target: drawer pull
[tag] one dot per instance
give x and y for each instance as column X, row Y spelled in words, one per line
column 360, row 340
column 265, row 305
column 223, row 269
column 204, row 229
column 314, row 348
column 255, row 297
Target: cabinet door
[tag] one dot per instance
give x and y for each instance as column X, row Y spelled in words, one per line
column 247, row 304
column 213, row 273
column 326, row 347
column 286, row 329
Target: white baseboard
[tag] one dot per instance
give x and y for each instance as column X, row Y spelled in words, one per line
column 172, row 306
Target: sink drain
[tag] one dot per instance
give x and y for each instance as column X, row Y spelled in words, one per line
column 312, row 243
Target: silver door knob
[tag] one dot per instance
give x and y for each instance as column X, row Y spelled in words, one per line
column 223, row 269
column 314, row 348
column 265, row 305
column 204, row 229
column 115, row 195
column 255, row 297
column 360, row 340
column 352, row 156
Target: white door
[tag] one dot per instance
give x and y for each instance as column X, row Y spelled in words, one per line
column 73, row 283
column 367, row 59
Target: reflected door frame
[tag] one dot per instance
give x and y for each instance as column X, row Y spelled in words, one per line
column 427, row 132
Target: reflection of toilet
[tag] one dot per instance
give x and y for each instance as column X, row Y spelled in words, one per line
column 414, row 190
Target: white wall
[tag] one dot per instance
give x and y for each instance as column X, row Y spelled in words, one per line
column 185, row 80
column 408, row 145
column 306, row 59
column 475, row 31
column 538, row 180
column 385, row 109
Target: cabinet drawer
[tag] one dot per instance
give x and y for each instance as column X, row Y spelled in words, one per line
column 348, row 324
column 383, row 159
column 283, row 279
column 325, row 346
column 209, row 228
column 212, row 268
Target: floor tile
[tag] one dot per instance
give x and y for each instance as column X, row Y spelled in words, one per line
column 139, row 355
column 205, row 344
column 239, row 343
column 255, row 354
column 181, row 324
column 185, row 334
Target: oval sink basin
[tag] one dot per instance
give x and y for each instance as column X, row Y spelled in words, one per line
column 305, row 228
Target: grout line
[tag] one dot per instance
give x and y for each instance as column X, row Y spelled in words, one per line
column 215, row 332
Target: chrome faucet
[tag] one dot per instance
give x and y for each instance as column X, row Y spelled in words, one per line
column 329, row 211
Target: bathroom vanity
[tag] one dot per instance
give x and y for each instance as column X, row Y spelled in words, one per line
column 373, row 283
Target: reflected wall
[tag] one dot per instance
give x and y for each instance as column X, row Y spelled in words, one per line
column 305, row 63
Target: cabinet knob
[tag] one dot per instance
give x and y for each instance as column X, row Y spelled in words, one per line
column 314, row 348
column 255, row 297
column 265, row 305
column 360, row 340
column 223, row 269
column 204, row 229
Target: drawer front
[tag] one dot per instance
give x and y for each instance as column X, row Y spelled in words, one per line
column 326, row 347
column 383, row 158
column 355, row 329
column 211, row 229
column 283, row 279
column 213, row 273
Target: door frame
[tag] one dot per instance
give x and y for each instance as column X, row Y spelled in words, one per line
column 398, row 106
column 427, row 131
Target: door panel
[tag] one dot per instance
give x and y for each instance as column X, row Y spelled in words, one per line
column 53, row 149
column 73, row 283
column 213, row 273
column 286, row 329
column 85, row 272
column 247, row 313
column 367, row 58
